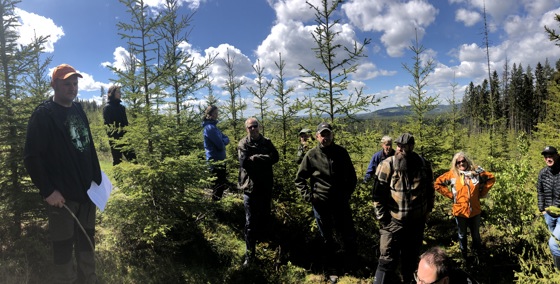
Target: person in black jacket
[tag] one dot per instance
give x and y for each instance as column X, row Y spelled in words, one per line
column 332, row 180
column 114, row 116
column 61, row 160
column 548, row 193
column 257, row 154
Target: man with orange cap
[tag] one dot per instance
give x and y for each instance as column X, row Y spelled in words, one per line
column 62, row 162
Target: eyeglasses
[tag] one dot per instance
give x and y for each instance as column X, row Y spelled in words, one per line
column 424, row 282
column 460, row 161
column 254, row 126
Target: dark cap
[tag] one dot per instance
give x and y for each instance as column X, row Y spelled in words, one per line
column 405, row 138
column 549, row 150
column 323, row 126
column 304, row 131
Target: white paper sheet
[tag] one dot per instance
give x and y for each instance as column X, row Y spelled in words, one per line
column 99, row 194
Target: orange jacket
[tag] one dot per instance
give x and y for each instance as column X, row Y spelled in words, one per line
column 465, row 192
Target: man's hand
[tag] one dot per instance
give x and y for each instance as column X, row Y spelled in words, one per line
column 55, row 199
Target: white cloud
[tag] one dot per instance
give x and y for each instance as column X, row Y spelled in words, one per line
column 121, row 59
column 192, row 4
column 293, row 10
column 399, row 22
column 469, row 18
column 33, row 25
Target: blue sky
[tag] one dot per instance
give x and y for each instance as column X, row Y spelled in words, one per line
column 84, row 35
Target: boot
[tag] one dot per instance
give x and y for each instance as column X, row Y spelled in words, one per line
column 556, row 261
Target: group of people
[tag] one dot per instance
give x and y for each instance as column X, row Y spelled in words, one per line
column 61, row 160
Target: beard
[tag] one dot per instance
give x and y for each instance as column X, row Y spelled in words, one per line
column 401, row 162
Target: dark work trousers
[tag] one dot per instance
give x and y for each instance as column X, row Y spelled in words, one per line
column 117, row 153
column 67, row 237
column 399, row 242
column 335, row 216
column 219, row 171
column 257, row 218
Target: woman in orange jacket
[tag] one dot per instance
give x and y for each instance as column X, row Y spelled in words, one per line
column 465, row 185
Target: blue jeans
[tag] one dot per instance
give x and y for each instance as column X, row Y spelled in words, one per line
column 473, row 224
column 552, row 223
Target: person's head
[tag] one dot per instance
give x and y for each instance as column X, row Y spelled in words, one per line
column 433, row 267
column 211, row 112
column 114, row 93
column 405, row 143
column 461, row 162
column 65, row 84
column 252, row 126
column 304, row 135
column 386, row 144
column 550, row 155
column 324, row 134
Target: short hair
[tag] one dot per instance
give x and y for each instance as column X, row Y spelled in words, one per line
column 112, row 91
column 437, row 257
column 249, row 120
column 386, row 139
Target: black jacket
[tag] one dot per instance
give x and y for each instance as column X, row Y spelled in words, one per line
column 255, row 176
column 59, row 152
column 331, row 173
column 114, row 115
column 548, row 187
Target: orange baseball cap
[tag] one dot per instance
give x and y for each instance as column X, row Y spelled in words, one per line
column 64, row 71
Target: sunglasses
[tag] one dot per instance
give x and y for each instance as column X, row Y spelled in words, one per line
column 460, row 162
column 251, row 127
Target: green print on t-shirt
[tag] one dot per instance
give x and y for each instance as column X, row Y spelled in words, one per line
column 78, row 132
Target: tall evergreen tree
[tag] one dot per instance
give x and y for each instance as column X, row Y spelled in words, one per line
column 19, row 64
column 425, row 130
column 182, row 74
column 331, row 84
column 234, row 106
column 262, row 86
column 286, row 108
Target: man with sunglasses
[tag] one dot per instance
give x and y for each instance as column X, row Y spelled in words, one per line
column 548, row 193
column 332, row 180
column 257, row 154
column 403, row 198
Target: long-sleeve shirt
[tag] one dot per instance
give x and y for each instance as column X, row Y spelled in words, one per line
column 548, row 188
column 59, row 152
column 404, row 194
column 256, row 157
column 376, row 159
column 330, row 171
column 465, row 191
column 214, row 141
